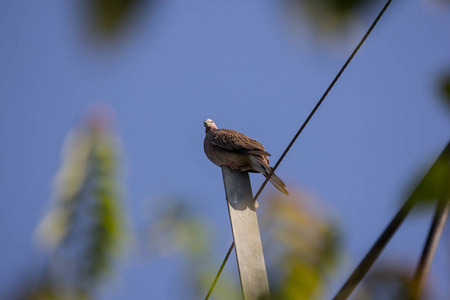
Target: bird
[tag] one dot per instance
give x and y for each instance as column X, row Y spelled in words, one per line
column 226, row 147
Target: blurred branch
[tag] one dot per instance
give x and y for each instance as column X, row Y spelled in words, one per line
column 428, row 188
column 436, row 229
column 367, row 262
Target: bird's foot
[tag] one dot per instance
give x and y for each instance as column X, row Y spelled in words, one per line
column 230, row 165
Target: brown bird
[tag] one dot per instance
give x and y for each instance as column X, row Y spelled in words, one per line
column 226, row 147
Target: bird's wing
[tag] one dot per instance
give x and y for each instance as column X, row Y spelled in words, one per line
column 234, row 141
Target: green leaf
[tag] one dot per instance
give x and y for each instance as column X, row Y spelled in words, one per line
column 302, row 248
column 444, row 87
column 85, row 225
column 328, row 16
column 436, row 183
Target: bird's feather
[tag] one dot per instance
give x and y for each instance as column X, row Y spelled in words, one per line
column 232, row 140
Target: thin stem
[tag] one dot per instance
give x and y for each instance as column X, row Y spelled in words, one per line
column 362, row 269
column 434, row 235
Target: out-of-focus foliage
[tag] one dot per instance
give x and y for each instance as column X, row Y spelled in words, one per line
column 444, row 87
column 389, row 282
column 107, row 16
column 328, row 16
column 46, row 290
column 178, row 230
column 301, row 245
column 84, row 227
column 436, row 183
column 178, row 224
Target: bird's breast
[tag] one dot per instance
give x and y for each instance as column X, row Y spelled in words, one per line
column 221, row 157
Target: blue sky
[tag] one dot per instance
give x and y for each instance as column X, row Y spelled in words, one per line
column 237, row 63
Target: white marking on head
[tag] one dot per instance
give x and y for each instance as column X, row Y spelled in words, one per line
column 209, row 124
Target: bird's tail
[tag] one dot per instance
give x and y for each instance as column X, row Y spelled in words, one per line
column 278, row 183
column 263, row 167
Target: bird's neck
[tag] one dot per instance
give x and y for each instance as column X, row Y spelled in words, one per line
column 208, row 129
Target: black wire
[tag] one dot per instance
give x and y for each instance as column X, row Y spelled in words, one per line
column 220, row 270
column 304, row 125
column 323, row 97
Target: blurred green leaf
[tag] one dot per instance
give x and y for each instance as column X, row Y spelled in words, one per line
column 436, row 183
column 110, row 15
column 85, row 226
column 329, row 16
column 176, row 229
column 302, row 246
column 444, row 86
column 49, row 293
column 182, row 232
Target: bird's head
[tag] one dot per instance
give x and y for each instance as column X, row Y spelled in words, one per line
column 209, row 124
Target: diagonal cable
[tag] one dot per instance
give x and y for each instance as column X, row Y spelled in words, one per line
column 336, row 78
